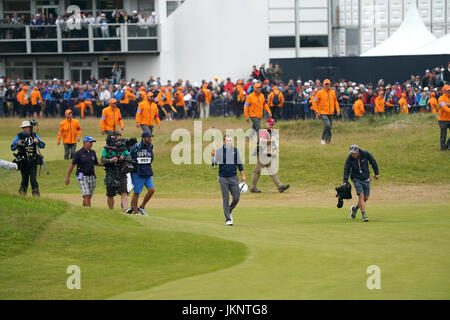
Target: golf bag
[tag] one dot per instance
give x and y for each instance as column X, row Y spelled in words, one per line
column 343, row 192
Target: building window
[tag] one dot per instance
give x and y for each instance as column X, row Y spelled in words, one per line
column 282, row 42
column 16, row 5
column 49, row 68
column 105, row 66
column 172, row 6
column 84, row 5
column 109, row 5
column 313, row 41
column 19, row 68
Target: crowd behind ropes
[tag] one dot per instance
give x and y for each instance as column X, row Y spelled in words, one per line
column 180, row 99
column 15, row 21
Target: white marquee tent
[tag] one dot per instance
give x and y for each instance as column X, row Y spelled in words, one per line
column 439, row 46
column 410, row 36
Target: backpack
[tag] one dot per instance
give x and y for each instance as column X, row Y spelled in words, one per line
column 235, row 94
column 276, row 99
column 201, row 96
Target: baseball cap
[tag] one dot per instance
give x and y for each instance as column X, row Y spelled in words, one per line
column 354, row 148
column 150, row 94
column 112, row 100
column 257, row 85
column 68, row 111
column 270, row 121
column 326, row 81
column 146, row 134
column 88, row 139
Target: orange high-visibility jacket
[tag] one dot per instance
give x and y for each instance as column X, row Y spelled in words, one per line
column 127, row 97
column 272, row 95
column 358, row 108
column 444, row 110
column 240, row 93
column 403, row 104
column 143, row 95
column 314, row 102
column 180, row 96
column 379, row 104
column 147, row 112
column 35, row 95
column 22, row 97
column 82, row 106
column 207, row 94
column 254, row 105
column 327, row 102
column 433, row 104
column 168, row 97
column 70, row 131
column 111, row 119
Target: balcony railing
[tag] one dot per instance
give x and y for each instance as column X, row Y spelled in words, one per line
column 90, row 38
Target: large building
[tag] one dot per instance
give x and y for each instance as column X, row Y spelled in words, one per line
column 197, row 39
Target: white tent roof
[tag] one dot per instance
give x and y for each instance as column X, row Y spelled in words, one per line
column 439, row 46
column 410, row 36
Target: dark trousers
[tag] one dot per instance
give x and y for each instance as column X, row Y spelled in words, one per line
column 238, row 107
column 444, row 125
column 327, row 126
column 29, row 172
column 69, row 150
column 275, row 113
column 229, row 185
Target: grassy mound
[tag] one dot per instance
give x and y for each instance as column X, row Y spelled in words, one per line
column 41, row 238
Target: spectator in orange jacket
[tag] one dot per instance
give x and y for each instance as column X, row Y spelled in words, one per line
column 275, row 106
column 125, row 102
column 180, row 105
column 253, row 109
column 22, row 98
column 36, row 100
column 403, row 104
column 165, row 102
column 142, row 94
column 358, row 107
column 111, row 118
column 444, row 117
column 204, row 97
column 147, row 112
column 314, row 106
column 432, row 102
column 238, row 99
column 82, row 105
column 327, row 105
column 379, row 104
column 70, row 131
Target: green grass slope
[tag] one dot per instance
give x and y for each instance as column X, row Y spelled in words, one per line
column 41, row 238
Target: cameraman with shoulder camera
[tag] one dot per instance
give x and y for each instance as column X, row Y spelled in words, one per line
column 27, row 157
column 116, row 160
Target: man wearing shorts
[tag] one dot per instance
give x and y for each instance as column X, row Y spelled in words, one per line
column 357, row 168
column 85, row 159
column 143, row 154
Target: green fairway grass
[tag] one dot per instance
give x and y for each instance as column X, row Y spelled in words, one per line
column 295, row 245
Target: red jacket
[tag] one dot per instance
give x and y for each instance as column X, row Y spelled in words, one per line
column 228, row 88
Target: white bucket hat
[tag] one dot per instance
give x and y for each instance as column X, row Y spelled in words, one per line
column 25, row 124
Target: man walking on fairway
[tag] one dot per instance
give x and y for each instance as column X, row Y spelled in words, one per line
column 143, row 154
column 327, row 104
column 267, row 144
column 357, row 168
column 253, row 108
column 228, row 159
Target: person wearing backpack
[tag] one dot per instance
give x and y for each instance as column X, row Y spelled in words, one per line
column 275, row 101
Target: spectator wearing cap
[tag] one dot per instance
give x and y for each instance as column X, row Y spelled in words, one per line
column 380, row 103
column 111, row 118
column 36, row 100
column 267, row 144
column 327, row 106
column 70, row 131
column 444, row 116
column 432, row 103
column 180, row 105
column 422, row 99
column 142, row 153
column 147, row 113
column 85, row 159
column 426, row 81
column 253, row 109
column 24, row 101
column 357, row 169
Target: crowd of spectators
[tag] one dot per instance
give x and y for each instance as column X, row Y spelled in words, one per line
column 143, row 24
column 183, row 99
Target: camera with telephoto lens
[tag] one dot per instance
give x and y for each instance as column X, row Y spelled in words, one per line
column 118, row 146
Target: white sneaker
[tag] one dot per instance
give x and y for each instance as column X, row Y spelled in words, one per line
column 229, row 223
column 142, row 211
column 322, row 142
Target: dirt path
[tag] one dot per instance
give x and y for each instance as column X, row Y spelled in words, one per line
column 386, row 195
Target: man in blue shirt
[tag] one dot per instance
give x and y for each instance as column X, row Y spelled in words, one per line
column 143, row 154
column 27, row 157
column 228, row 159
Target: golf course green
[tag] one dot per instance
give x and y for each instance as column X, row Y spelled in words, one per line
column 294, row 245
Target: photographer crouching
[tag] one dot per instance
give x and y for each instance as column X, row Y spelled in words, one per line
column 27, row 144
column 117, row 161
